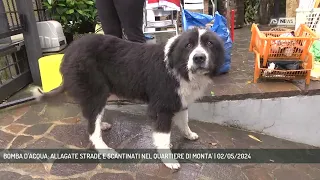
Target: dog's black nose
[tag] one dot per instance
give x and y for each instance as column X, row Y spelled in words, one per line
column 199, row 58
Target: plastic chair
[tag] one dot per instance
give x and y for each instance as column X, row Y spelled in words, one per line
column 150, row 25
column 194, row 5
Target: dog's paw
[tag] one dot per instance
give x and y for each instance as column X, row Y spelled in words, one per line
column 192, row 136
column 105, row 126
column 174, row 166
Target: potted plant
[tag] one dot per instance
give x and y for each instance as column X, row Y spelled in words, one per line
column 76, row 16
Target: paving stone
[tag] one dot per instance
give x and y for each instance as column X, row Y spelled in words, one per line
column 72, row 110
column 269, row 167
column 71, row 120
column 148, row 168
column 165, row 172
column 223, row 171
column 208, row 127
column 71, row 134
column 225, row 89
column 17, row 112
column 30, row 118
column 5, row 139
column 112, row 176
column 309, row 169
column 125, row 127
column 53, row 113
column 120, row 166
column 60, row 111
column 313, row 86
column 45, row 143
column 203, row 178
column 5, row 119
column 188, row 171
column 249, row 88
column 140, row 141
column 15, row 128
column 71, row 169
column 316, row 166
column 277, row 87
column 20, row 140
column 224, row 141
column 289, row 174
column 37, row 129
column 257, row 174
column 77, row 178
column 8, row 175
column 141, row 176
column 38, row 107
column 25, row 177
column 35, row 169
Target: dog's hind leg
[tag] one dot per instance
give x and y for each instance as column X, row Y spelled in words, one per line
column 161, row 138
column 93, row 110
column 181, row 120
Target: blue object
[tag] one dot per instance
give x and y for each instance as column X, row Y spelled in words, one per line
column 148, row 37
column 193, row 19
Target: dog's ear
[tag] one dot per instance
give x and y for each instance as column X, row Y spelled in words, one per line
column 219, row 55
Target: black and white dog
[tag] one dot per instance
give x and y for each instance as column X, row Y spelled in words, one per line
column 167, row 77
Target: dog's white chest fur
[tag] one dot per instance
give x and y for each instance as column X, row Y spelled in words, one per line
column 192, row 90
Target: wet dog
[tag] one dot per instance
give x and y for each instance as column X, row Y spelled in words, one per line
column 168, row 77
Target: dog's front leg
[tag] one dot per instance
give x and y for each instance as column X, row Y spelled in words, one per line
column 181, row 120
column 161, row 138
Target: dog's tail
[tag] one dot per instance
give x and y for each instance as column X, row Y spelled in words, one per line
column 39, row 95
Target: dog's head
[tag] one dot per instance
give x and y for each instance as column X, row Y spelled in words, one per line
column 195, row 52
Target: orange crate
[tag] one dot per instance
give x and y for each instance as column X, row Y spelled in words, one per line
column 269, row 46
column 303, row 73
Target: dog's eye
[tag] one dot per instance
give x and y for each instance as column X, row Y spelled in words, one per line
column 189, row 45
column 209, row 43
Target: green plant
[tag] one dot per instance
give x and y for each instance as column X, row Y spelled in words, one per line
column 72, row 13
column 251, row 8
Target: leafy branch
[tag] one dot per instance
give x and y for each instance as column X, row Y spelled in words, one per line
column 72, row 13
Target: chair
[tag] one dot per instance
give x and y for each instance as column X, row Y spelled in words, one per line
column 194, row 5
column 150, row 24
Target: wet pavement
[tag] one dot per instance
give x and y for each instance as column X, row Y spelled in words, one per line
column 59, row 124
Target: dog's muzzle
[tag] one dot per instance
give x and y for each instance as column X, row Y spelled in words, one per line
column 199, row 64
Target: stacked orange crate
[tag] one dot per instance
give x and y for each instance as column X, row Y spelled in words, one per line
column 272, row 48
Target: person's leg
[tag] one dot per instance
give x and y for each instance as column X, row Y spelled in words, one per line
column 131, row 17
column 109, row 18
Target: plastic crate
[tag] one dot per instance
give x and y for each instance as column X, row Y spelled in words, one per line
column 309, row 17
column 264, row 72
column 269, row 46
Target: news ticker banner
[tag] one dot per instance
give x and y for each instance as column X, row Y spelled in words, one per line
column 152, row 156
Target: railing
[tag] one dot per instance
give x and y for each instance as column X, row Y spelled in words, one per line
column 19, row 44
column 11, row 23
